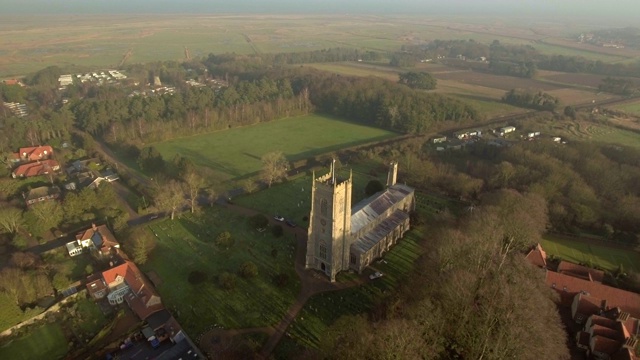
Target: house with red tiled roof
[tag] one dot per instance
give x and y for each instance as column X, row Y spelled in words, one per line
column 611, row 335
column 94, row 238
column 537, row 256
column 35, row 169
column 577, row 293
column 580, row 271
column 126, row 282
column 32, row 153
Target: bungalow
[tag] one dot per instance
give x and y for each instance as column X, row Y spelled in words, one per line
column 32, row 153
column 35, row 169
column 42, row 193
column 439, row 139
column 507, row 129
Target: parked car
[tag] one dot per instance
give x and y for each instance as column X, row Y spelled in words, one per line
column 290, row 223
column 376, row 275
column 278, row 218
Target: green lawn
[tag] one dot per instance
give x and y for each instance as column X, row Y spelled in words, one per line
column 324, row 309
column 187, row 244
column 292, row 199
column 631, row 108
column 45, row 342
column 236, row 153
column 584, row 253
column 12, row 314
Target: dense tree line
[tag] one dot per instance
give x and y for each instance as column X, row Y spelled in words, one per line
column 530, row 99
column 191, row 111
column 382, row 103
column 513, row 60
column 619, row 86
column 418, row 80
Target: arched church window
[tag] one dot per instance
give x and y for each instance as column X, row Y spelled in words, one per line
column 323, row 251
column 323, row 207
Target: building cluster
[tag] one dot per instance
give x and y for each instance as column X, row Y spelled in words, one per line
column 342, row 237
column 123, row 282
column 18, row 109
column 33, row 161
column 101, row 77
column 605, row 320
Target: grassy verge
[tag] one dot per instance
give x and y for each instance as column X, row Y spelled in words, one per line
column 187, row 244
column 599, row 256
column 45, row 342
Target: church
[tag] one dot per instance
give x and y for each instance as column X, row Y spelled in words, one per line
column 342, row 237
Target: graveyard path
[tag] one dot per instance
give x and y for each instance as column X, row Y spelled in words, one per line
column 312, row 283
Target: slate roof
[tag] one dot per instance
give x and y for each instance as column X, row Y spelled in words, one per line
column 386, row 227
column 368, row 210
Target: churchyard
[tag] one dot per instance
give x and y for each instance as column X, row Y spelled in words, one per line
column 292, row 198
column 324, row 309
column 188, row 264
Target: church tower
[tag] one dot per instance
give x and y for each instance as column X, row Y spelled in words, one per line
column 329, row 238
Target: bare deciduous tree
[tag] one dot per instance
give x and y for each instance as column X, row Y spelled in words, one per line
column 193, row 183
column 10, row 219
column 274, row 167
column 169, row 196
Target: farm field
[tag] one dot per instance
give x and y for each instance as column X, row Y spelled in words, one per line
column 631, row 108
column 584, row 80
column 600, row 256
column 500, row 82
column 235, row 153
column 87, row 42
column 45, row 342
column 187, row 244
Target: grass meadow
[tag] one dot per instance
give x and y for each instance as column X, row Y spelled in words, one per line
column 600, row 256
column 187, row 244
column 591, row 131
column 631, row 108
column 44, row 342
column 235, row 153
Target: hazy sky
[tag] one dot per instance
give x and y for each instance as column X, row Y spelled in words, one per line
column 625, row 10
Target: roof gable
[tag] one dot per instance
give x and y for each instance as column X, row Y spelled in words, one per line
column 537, row 256
column 569, row 286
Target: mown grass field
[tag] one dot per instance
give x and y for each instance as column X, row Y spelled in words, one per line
column 45, row 342
column 600, row 256
column 235, row 153
column 187, row 244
